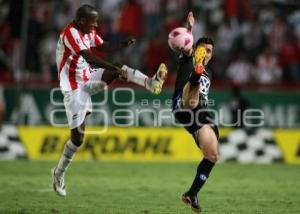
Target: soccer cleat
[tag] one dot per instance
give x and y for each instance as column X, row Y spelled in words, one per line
column 58, row 183
column 161, row 74
column 155, row 83
column 191, row 200
column 199, row 56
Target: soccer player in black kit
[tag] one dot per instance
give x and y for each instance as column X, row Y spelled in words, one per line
column 190, row 109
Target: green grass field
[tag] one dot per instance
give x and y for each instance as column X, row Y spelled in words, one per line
column 97, row 187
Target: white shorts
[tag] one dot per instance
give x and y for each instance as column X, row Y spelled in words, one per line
column 78, row 102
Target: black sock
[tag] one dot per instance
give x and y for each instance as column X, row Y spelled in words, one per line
column 194, row 79
column 203, row 171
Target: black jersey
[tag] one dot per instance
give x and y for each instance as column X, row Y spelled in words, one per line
column 192, row 123
column 185, row 69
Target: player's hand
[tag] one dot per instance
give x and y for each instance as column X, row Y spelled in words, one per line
column 128, row 42
column 190, row 20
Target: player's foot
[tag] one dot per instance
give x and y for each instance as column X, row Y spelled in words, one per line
column 58, row 183
column 191, row 200
column 155, row 83
column 161, row 74
column 199, row 55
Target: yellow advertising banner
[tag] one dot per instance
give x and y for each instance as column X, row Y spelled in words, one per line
column 137, row 144
column 122, row 144
column 288, row 141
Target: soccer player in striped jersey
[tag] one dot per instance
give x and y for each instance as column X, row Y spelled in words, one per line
column 82, row 74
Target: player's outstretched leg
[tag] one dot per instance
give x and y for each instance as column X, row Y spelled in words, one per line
column 191, row 89
column 153, row 84
column 199, row 56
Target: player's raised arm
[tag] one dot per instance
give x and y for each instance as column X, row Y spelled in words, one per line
column 108, row 46
column 190, row 21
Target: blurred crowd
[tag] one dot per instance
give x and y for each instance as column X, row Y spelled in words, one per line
column 256, row 41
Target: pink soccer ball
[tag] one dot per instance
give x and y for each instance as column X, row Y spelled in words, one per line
column 180, row 39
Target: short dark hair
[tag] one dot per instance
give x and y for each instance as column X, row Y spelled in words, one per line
column 205, row 40
column 84, row 11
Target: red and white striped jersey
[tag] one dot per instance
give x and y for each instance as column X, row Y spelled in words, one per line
column 73, row 69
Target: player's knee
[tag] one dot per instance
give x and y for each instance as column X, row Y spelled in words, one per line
column 77, row 141
column 212, row 156
column 190, row 104
column 77, row 135
column 77, row 138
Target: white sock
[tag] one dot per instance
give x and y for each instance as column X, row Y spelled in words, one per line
column 66, row 158
column 136, row 76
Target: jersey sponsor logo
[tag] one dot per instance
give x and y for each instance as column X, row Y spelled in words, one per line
column 204, row 84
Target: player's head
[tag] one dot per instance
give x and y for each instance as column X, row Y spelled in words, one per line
column 208, row 44
column 86, row 18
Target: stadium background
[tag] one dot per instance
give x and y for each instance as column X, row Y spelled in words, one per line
column 256, row 65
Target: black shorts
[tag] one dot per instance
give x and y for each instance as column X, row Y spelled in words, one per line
column 193, row 120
